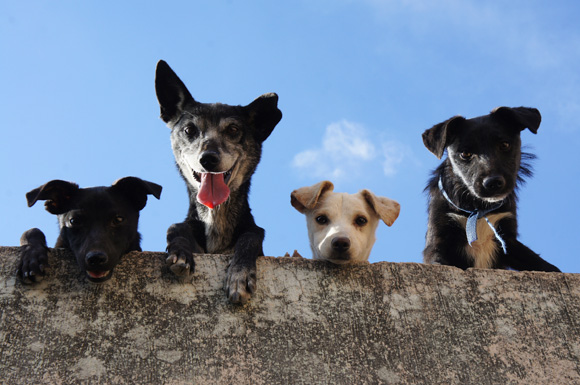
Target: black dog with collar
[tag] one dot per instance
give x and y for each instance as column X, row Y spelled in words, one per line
column 472, row 206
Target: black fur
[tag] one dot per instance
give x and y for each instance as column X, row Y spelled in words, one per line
column 98, row 224
column 216, row 139
column 483, row 167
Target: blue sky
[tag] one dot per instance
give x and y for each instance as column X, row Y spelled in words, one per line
column 358, row 82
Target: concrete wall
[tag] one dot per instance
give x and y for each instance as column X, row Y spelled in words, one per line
column 309, row 322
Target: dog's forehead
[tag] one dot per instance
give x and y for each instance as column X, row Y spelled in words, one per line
column 491, row 124
column 99, row 199
column 483, row 129
column 483, row 121
column 344, row 203
column 214, row 113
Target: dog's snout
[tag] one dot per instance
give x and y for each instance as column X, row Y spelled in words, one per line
column 494, row 183
column 96, row 258
column 340, row 244
column 209, row 160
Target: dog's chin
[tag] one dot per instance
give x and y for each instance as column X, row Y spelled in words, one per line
column 494, row 198
column 337, row 259
column 98, row 276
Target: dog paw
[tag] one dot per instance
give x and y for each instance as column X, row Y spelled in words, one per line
column 295, row 254
column 33, row 263
column 180, row 254
column 179, row 265
column 240, row 283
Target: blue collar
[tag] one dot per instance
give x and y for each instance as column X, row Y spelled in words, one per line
column 471, row 226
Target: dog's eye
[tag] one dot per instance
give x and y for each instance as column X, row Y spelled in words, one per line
column 505, row 146
column 322, row 219
column 189, row 130
column 118, row 220
column 361, row 221
column 233, row 130
column 466, row 155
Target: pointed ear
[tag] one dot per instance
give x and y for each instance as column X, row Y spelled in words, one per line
column 136, row 190
column 306, row 198
column 387, row 209
column 520, row 117
column 265, row 115
column 172, row 94
column 437, row 137
column 58, row 195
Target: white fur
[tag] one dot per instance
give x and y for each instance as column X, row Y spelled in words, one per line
column 466, row 182
column 350, row 218
column 342, row 211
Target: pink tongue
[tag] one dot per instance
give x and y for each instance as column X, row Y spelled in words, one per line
column 213, row 190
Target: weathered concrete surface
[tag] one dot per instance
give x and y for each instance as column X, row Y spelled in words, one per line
column 309, row 322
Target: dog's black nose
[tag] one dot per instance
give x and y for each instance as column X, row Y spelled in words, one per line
column 96, row 258
column 209, row 160
column 340, row 244
column 494, row 183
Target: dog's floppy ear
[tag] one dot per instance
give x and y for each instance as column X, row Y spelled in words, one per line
column 265, row 115
column 58, row 195
column 306, row 198
column 387, row 209
column 520, row 117
column 136, row 190
column 437, row 137
column 172, row 94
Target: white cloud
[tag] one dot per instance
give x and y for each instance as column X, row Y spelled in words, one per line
column 350, row 138
column 394, row 154
column 347, row 151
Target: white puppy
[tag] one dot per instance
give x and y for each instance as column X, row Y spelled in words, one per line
column 341, row 227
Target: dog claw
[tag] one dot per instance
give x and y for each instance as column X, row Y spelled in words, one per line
column 180, row 269
column 235, row 298
column 178, row 266
column 251, row 287
column 172, row 259
column 30, row 277
column 239, row 298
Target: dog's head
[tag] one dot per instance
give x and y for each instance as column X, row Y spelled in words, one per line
column 485, row 152
column 99, row 224
column 341, row 227
column 217, row 147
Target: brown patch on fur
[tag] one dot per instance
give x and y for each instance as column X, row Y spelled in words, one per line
column 482, row 251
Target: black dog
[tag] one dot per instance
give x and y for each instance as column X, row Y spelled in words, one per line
column 98, row 224
column 472, row 208
column 217, row 148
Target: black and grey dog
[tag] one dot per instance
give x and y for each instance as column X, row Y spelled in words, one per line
column 472, row 207
column 217, row 148
column 99, row 225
